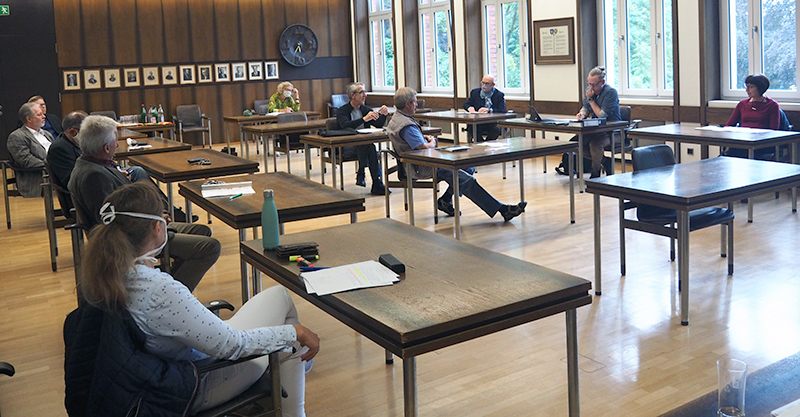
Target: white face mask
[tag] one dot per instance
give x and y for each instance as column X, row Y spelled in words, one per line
column 108, row 214
column 287, row 94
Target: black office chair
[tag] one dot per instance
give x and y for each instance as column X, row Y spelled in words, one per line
column 779, row 153
column 663, row 221
column 115, row 335
column 6, row 369
column 108, row 113
column 401, row 182
column 624, row 144
column 337, row 100
column 341, row 156
column 261, row 106
column 190, row 119
column 286, row 143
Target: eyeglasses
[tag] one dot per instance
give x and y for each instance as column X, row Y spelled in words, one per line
column 361, row 92
column 485, row 83
column 595, row 84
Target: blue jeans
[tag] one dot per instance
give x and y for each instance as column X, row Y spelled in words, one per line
column 469, row 187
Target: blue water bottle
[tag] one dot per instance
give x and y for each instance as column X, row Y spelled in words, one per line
column 269, row 222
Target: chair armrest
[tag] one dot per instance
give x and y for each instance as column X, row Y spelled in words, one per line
column 216, row 305
column 6, row 369
column 203, row 116
column 211, row 364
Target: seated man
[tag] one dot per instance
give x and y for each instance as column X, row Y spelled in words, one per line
column 95, row 176
column 406, row 135
column 486, row 99
column 65, row 150
column 601, row 101
column 28, row 147
column 52, row 123
column 356, row 115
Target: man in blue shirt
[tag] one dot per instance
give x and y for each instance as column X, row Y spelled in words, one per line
column 486, row 99
column 406, row 135
column 601, row 101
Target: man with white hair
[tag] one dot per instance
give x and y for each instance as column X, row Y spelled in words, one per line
column 95, row 176
column 28, row 147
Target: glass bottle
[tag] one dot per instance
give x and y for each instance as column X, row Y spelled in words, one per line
column 269, row 222
column 160, row 114
column 143, row 115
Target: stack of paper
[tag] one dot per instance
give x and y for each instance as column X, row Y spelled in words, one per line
column 227, row 189
column 348, row 277
column 137, row 147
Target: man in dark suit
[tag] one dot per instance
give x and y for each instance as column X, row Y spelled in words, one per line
column 28, row 147
column 65, row 150
column 486, row 99
column 52, row 123
column 95, row 176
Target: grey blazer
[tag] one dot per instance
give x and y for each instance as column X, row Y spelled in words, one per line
column 27, row 157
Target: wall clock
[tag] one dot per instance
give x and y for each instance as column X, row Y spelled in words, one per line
column 298, row 45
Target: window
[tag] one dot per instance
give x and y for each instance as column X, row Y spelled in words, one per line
column 381, row 44
column 759, row 36
column 505, row 53
column 435, row 34
column 636, row 42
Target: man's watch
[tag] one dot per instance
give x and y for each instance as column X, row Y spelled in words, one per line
column 590, row 99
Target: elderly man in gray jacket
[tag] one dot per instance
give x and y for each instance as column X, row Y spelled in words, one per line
column 28, row 147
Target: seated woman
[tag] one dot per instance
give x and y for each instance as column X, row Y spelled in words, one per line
column 119, row 273
column 285, row 100
column 757, row 110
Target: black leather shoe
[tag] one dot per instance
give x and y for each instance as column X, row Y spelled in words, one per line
column 607, row 162
column 378, row 189
column 446, row 207
column 360, row 179
column 509, row 212
column 595, row 174
column 180, row 216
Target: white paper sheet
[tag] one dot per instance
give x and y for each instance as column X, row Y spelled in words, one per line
column 348, row 277
column 228, row 189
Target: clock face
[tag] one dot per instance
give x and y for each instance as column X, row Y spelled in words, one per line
column 298, row 45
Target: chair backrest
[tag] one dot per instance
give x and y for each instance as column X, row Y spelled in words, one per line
column 292, row 117
column 625, row 113
column 62, row 193
column 108, row 113
column 654, row 156
column 258, row 104
column 339, row 100
column 81, row 216
column 785, row 124
column 331, row 124
column 190, row 115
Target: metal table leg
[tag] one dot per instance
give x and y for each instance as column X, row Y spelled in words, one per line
column 598, row 280
column 457, row 205
column 410, row 386
column 683, row 264
column 573, row 387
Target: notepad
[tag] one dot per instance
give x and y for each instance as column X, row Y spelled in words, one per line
column 227, row 189
column 365, row 274
column 137, row 147
column 370, row 130
column 454, row 148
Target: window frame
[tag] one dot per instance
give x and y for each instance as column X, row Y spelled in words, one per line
column 431, row 8
column 380, row 16
column 499, row 75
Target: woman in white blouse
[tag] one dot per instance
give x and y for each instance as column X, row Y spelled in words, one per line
column 119, row 272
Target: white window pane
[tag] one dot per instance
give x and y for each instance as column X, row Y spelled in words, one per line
column 442, row 48
column 739, row 48
column 424, row 1
column 427, row 51
column 386, row 5
column 377, row 54
column 639, row 45
column 611, row 41
column 778, row 43
column 512, row 53
column 388, row 52
column 491, row 38
column 667, row 34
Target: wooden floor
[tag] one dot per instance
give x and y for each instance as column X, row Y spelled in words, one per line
column 636, row 358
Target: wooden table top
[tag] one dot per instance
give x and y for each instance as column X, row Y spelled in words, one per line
column 174, row 166
column 285, row 128
column 451, row 291
column 524, row 123
column 490, row 152
column 296, row 199
column 698, row 184
column 461, row 116
column 256, row 118
column 158, row 145
column 126, row 133
column 357, row 139
column 734, row 137
column 148, row 127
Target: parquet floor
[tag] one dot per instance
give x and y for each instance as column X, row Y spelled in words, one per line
column 636, row 358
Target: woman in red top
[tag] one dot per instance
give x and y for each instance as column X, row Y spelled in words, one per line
column 757, row 110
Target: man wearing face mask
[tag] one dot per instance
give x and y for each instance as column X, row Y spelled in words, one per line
column 486, row 99
column 601, row 101
column 95, row 176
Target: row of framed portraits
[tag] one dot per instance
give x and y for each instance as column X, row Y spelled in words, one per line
column 92, row 79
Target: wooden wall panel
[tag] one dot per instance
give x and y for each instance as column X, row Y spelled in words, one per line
column 95, row 33
column 202, row 22
column 339, row 30
column 274, row 23
column 176, row 40
column 69, row 32
column 150, row 31
column 125, row 36
column 251, row 28
column 227, row 30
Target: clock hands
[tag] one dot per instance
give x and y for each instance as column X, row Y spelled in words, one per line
column 298, row 47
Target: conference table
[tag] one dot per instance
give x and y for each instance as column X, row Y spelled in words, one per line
column 485, row 153
column 736, row 137
column 580, row 131
column 335, row 143
column 174, row 166
column 241, row 121
column 296, row 199
column 150, row 127
column 156, row 145
column 451, row 292
column 686, row 187
column 275, row 129
column 463, row 117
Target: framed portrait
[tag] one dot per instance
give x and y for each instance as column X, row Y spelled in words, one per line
column 255, row 71
column 91, row 79
column 150, row 76
column 112, row 78
column 204, row 74
column 222, row 72
column 187, row 74
column 271, row 70
column 239, row 71
column 169, row 75
column 131, row 77
column 72, row 80
column 554, row 41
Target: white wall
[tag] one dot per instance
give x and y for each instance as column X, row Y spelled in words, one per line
column 689, row 46
column 555, row 82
